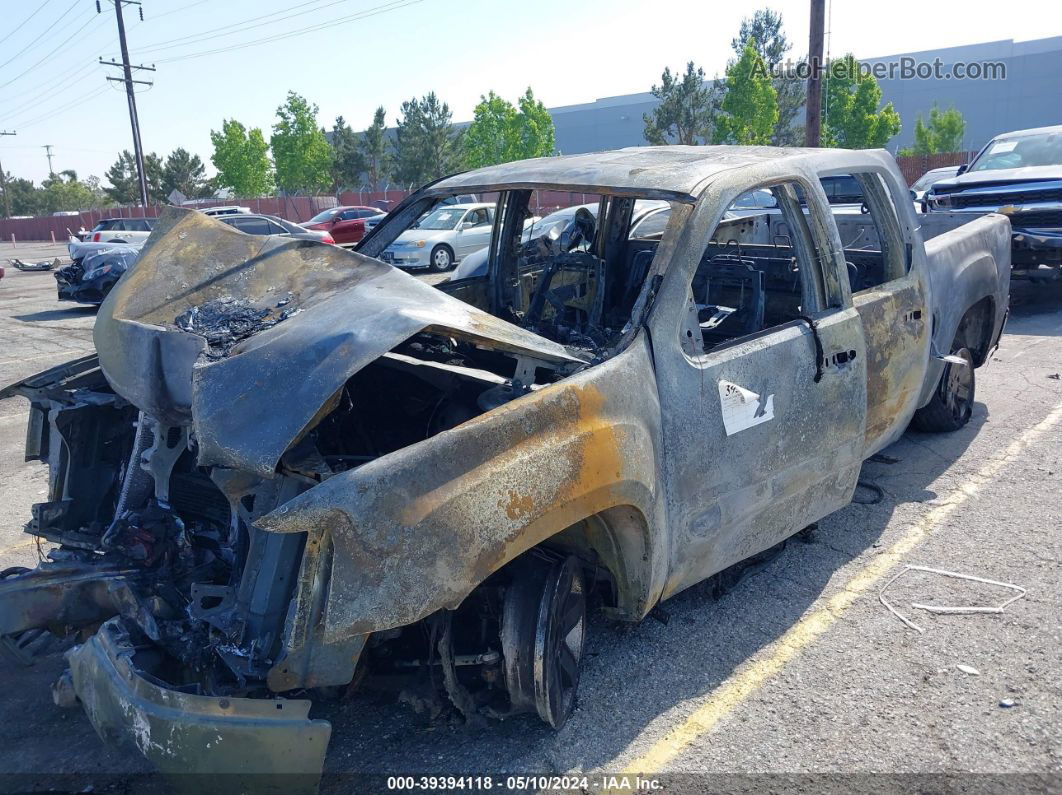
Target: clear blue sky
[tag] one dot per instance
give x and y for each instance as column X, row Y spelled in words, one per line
column 568, row 51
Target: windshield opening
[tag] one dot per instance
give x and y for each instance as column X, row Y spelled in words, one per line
column 567, row 265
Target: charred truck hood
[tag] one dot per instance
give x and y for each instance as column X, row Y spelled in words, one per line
column 249, row 340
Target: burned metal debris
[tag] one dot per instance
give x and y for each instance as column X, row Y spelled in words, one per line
column 223, row 322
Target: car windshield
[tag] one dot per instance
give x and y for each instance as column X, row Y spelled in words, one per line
column 321, row 217
column 442, row 218
column 1044, row 149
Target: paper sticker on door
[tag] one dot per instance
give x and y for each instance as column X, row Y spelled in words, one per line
column 742, row 408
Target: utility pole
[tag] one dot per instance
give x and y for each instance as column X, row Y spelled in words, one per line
column 813, row 122
column 48, row 152
column 127, row 78
column 3, row 182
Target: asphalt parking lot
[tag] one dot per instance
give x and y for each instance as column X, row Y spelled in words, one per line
column 797, row 669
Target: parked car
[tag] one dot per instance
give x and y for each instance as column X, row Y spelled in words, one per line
column 122, row 230
column 291, row 464
column 373, row 220
column 928, row 180
column 649, row 217
column 346, row 225
column 227, row 209
column 256, row 224
column 94, row 270
column 443, row 237
column 1018, row 174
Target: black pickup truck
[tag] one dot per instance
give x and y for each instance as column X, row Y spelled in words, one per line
column 1018, row 174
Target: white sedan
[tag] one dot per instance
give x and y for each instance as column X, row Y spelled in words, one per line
column 443, row 237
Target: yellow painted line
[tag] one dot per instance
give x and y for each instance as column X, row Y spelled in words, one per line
column 773, row 658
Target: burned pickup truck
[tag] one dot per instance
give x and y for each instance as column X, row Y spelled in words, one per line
column 290, row 465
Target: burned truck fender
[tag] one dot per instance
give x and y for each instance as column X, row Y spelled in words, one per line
column 970, row 265
column 416, row 531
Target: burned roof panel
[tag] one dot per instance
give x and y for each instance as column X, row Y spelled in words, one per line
column 667, row 172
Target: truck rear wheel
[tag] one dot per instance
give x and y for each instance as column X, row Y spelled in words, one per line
column 951, row 406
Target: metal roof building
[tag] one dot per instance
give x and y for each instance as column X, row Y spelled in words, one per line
column 1027, row 97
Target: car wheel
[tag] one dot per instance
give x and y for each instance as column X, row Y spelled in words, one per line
column 543, row 630
column 951, row 406
column 442, row 259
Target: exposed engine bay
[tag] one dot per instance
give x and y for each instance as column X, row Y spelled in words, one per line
column 236, row 374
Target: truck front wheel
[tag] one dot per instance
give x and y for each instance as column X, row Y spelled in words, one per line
column 951, row 406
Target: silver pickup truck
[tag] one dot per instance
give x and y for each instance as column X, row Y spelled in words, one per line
column 291, row 466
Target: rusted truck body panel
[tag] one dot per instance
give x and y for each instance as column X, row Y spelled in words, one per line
column 302, row 452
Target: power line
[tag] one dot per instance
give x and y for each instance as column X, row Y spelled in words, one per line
column 56, row 111
column 214, row 33
column 58, row 47
column 37, row 90
column 41, row 35
column 27, row 19
column 32, row 104
column 392, row 6
column 175, row 10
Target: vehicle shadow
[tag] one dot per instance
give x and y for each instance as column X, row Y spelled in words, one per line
column 634, row 673
column 1038, row 308
column 74, row 311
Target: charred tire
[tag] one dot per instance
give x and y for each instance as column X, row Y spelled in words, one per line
column 543, row 629
column 951, row 406
column 442, row 259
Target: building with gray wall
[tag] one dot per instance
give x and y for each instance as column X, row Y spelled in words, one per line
column 1028, row 97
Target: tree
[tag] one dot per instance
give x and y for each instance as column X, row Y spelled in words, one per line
column 64, row 192
column 535, row 133
column 499, row 133
column 124, row 186
column 241, row 158
column 124, row 183
column 301, row 153
column 764, row 28
column 153, row 171
column 348, row 162
column 750, row 106
column 24, row 195
column 943, row 133
column 687, row 108
column 184, row 172
column 426, row 147
column 489, row 138
column 373, row 148
column 851, row 116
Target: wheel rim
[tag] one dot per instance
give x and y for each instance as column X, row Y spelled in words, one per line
column 559, row 636
column 958, row 387
column 441, row 259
